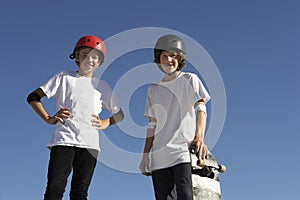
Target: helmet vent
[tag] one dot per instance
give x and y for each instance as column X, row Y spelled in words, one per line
column 91, row 42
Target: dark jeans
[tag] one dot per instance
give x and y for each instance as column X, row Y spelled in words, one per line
column 173, row 183
column 62, row 160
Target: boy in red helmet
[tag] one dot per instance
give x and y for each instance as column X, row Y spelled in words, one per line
column 80, row 98
column 176, row 110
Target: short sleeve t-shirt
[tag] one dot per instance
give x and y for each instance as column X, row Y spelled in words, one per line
column 85, row 97
column 172, row 104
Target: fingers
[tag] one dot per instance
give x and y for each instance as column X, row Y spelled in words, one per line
column 143, row 168
column 61, row 114
column 97, row 122
column 197, row 147
column 96, row 116
column 60, row 119
column 64, row 113
column 147, row 173
column 203, row 151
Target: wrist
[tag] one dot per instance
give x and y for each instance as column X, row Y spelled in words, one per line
column 46, row 118
column 199, row 134
column 145, row 155
column 51, row 120
column 199, row 138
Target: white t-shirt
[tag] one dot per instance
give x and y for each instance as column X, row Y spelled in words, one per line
column 172, row 104
column 84, row 96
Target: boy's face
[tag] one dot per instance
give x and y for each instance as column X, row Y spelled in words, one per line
column 169, row 61
column 89, row 60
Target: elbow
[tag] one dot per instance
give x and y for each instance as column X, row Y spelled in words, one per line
column 121, row 115
column 33, row 97
column 36, row 95
column 118, row 117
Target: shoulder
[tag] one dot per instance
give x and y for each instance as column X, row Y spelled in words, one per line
column 189, row 76
column 65, row 73
column 193, row 80
column 153, row 86
column 101, row 85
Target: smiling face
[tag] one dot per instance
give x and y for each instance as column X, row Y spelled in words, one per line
column 88, row 59
column 169, row 61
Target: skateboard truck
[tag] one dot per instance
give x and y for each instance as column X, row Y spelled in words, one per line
column 206, row 169
column 219, row 168
column 205, row 176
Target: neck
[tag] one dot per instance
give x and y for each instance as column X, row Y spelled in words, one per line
column 88, row 75
column 169, row 77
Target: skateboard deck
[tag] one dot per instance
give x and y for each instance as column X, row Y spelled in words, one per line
column 205, row 177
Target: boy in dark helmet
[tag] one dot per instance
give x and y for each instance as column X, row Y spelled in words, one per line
column 176, row 110
column 80, row 98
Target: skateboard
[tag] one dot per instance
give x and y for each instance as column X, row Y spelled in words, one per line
column 205, row 176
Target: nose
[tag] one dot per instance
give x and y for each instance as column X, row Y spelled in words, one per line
column 90, row 58
column 169, row 58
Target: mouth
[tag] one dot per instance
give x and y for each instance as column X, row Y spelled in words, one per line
column 169, row 66
column 88, row 65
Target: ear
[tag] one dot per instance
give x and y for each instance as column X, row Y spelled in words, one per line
column 76, row 54
column 78, row 63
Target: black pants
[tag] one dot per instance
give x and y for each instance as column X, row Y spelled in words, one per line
column 62, row 160
column 173, row 183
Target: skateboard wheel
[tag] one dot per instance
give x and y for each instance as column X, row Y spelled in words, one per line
column 200, row 163
column 222, row 168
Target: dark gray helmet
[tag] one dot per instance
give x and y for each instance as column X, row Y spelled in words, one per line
column 170, row 42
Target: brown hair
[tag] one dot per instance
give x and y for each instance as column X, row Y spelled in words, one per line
column 180, row 56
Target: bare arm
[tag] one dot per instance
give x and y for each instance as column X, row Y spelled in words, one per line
column 38, row 107
column 116, row 118
column 198, row 141
column 102, row 124
column 144, row 165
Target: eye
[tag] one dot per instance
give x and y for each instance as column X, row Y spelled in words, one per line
column 163, row 55
column 83, row 56
column 95, row 57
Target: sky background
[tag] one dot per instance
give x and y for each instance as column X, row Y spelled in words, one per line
column 254, row 45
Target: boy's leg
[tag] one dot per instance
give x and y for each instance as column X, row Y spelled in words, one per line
column 183, row 181
column 163, row 183
column 83, row 169
column 59, row 168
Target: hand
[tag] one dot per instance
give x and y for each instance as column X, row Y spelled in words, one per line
column 59, row 116
column 145, row 166
column 98, row 123
column 200, row 148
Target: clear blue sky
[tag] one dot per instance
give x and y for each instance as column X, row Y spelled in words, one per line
column 254, row 45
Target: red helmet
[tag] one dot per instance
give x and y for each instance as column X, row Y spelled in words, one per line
column 89, row 41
